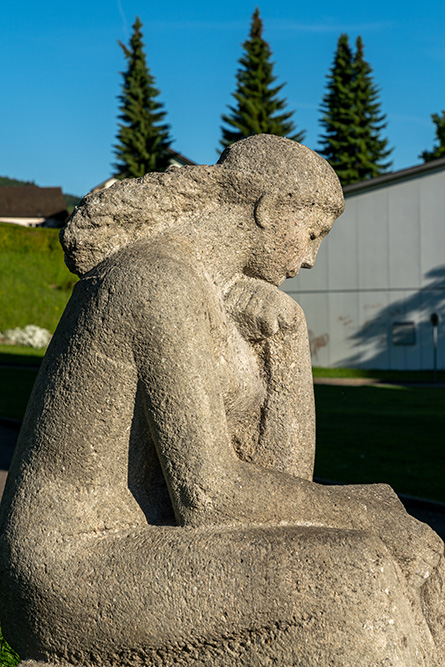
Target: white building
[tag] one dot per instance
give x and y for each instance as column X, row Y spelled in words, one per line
column 380, row 275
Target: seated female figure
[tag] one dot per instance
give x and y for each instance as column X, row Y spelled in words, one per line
column 160, row 507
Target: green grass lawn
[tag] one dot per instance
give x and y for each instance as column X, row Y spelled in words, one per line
column 385, row 376
column 8, row 657
column 24, row 356
column 382, row 434
column 35, row 284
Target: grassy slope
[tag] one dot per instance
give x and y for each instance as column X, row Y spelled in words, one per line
column 35, row 284
column 71, row 201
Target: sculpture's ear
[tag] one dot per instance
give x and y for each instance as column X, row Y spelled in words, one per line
column 264, row 209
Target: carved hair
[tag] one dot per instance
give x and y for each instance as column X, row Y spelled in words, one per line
column 132, row 209
column 112, row 218
column 287, row 170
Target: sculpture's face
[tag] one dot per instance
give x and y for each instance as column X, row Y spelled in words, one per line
column 291, row 241
column 310, row 227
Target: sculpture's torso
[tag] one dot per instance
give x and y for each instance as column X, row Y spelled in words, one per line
column 84, row 415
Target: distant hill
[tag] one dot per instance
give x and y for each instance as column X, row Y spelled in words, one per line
column 71, row 200
column 4, row 180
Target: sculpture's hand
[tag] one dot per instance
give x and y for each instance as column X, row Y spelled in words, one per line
column 260, row 309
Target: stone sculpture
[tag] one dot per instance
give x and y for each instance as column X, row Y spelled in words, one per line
column 160, row 508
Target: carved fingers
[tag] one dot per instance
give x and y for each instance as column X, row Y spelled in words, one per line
column 261, row 309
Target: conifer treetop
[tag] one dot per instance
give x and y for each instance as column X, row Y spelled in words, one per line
column 143, row 136
column 439, row 149
column 351, row 117
column 257, row 108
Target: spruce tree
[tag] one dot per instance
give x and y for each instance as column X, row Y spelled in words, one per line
column 439, row 150
column 337, row 142
column 257, row 107
column 143, row 136
column 372, row 148
column 351, row 117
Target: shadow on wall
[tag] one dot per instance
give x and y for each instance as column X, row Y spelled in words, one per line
column 316, row 343
column 400, row 335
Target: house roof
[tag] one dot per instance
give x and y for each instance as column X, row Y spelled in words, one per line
column 396, row 176
column 178, row 157
column 30, row 201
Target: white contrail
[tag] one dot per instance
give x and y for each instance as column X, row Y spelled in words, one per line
column 124, row 19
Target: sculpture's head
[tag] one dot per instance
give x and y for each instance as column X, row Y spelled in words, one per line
column 283, row 190
column 297, row 199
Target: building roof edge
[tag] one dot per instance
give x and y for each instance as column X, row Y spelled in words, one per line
column 394, row 176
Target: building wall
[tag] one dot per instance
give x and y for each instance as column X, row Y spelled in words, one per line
column 382, row 264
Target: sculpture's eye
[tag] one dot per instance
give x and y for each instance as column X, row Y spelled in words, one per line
column 313, row 236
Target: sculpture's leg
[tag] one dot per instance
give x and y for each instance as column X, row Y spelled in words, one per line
column 220, row 597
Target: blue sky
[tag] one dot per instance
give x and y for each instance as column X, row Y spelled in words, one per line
column 61, row 64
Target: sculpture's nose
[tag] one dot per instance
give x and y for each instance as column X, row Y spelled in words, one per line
column 311, row 255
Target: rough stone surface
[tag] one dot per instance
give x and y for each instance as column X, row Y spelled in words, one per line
column 160, row 509
column 3, row 475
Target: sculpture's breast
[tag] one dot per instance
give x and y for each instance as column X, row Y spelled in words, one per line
column 243, row 387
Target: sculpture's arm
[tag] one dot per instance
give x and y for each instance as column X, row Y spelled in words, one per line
column 278, row 325
column 208, row 483
column 174, row 352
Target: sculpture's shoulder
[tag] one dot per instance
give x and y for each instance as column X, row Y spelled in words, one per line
column 153, row 274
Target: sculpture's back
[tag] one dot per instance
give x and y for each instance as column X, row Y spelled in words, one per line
column 160, row 507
